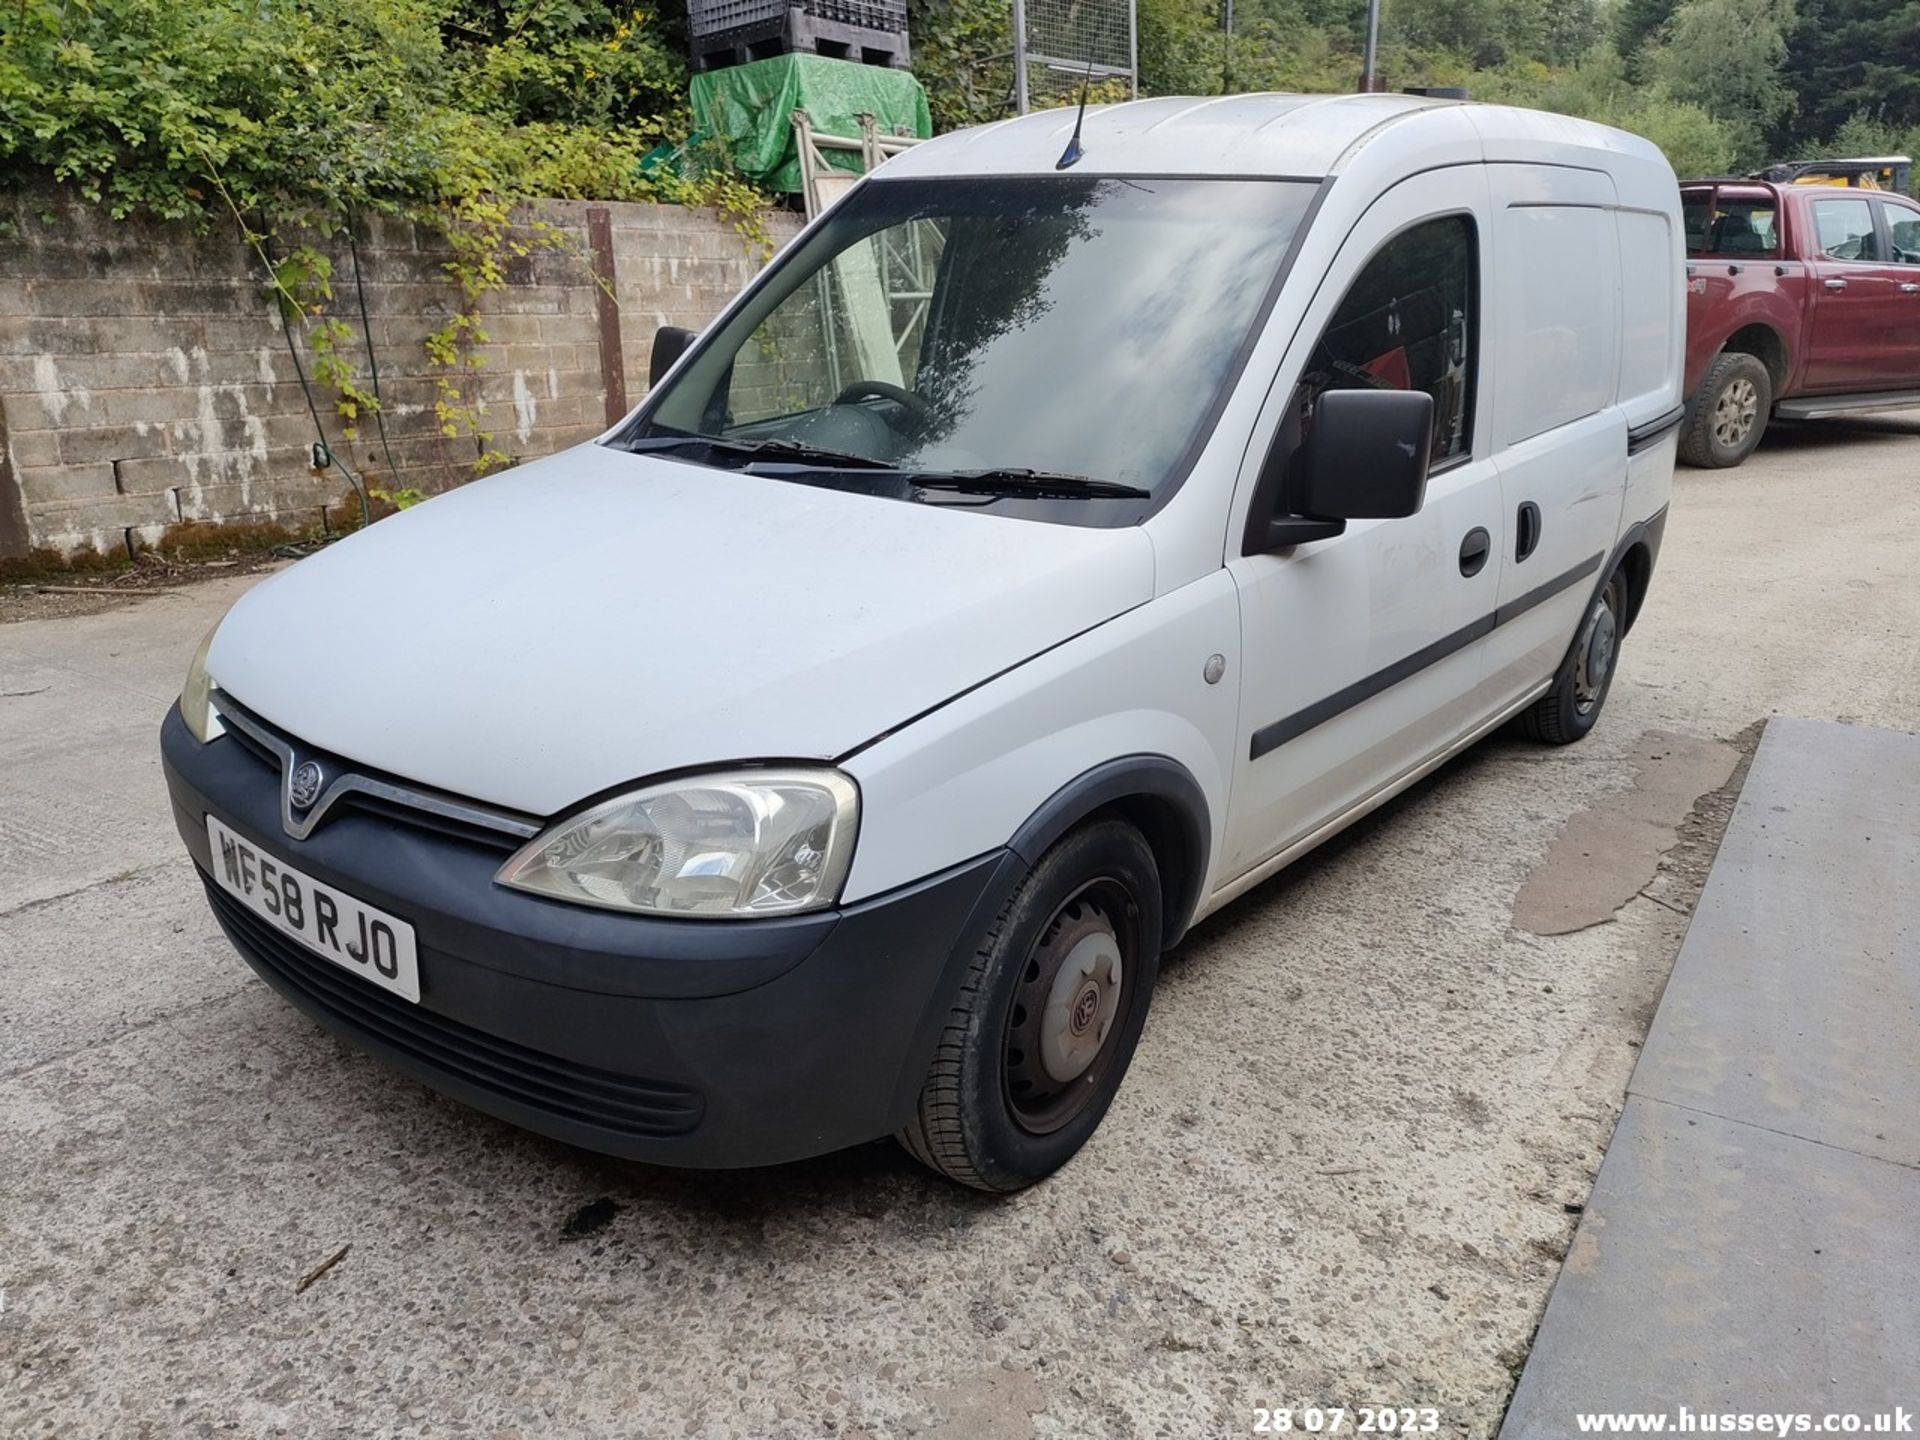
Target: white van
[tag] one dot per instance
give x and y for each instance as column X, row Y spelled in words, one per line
column 1061, row 536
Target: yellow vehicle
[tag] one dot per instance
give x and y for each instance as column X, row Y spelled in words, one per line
column 1872, row 172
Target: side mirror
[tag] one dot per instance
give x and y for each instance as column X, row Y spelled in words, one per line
column 670, row 342
column 1365, row 457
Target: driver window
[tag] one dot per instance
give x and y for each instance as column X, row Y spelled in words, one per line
column 1845, row 228
column 1407, row 323
column 860, row 319
column 1903, row 228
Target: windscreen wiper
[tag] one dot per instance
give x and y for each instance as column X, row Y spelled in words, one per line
column 788, row 451
column 1039, row 484
column 1042, row 484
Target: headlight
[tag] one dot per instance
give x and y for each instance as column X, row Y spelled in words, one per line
column 196, row 696
column 744, row 843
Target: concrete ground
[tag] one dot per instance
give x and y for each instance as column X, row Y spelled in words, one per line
column 1749, row 1246
column 1370, row 1102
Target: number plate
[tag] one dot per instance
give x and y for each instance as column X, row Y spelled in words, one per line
column 369, row 942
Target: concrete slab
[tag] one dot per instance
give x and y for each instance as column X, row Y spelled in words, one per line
column 1727, row 1268
column 1750, row 1245
column 1795, row 1003
column 81, row 699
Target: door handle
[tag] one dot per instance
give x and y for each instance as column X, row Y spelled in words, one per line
column 1474, row 551
column 1526, row 531
column 1907, row 287
column 1836, row 284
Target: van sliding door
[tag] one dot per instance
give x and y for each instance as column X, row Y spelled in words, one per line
column 1559, row 434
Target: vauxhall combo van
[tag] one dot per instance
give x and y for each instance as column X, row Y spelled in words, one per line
column 1075, row 524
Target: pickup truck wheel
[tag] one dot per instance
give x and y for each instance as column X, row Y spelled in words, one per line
column 1567, row 712
column 1729, row 412
column 1047, row 1017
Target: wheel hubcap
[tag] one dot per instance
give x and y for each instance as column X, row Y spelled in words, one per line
column 1081, row 1006
column 1066, row 1008
column 1599, row 642
column 1734, row 411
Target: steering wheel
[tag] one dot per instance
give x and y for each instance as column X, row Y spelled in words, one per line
column 881, row 390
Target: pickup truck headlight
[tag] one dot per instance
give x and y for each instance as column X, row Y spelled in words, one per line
column 196, row 696
column 725, row 846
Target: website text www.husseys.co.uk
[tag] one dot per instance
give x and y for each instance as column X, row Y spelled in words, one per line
column 1685, row 1421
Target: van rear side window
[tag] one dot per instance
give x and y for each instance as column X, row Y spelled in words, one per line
column 1560, row 274
column 1649, row 340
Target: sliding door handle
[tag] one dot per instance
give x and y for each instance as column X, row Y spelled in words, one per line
column 1526, row 531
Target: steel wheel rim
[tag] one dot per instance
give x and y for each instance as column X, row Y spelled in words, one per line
column 1068, row 1011
column 1599, row 648
column 1735, row 410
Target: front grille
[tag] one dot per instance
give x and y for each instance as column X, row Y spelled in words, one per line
column 397, row 800
column 567, row 1091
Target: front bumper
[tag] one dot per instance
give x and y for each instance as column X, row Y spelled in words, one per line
column 683, row 1042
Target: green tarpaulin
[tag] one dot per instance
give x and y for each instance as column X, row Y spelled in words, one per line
column 751, row 106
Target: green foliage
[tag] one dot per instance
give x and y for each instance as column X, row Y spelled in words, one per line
column 1725, row 56
column 302, row 283
column 285, row 116
column 288, row 117
column 1856, row 57
column 304, row 108
column 963, row 54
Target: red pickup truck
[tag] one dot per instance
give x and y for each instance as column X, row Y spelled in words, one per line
column 1803, row 301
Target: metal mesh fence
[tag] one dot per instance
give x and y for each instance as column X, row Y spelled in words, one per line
column 1063, row 36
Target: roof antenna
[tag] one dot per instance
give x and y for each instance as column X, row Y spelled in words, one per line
column 1073, row 152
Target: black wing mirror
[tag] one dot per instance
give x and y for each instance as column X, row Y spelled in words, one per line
column 1365, row 457
column 670, row 342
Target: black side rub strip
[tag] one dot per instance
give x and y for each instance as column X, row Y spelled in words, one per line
column 1271, row 737
column 1641, row 436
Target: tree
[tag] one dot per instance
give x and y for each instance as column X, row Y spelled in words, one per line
column 1854, row 57
column 1636, row 24
column 1726, row 56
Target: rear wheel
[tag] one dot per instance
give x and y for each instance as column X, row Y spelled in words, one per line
column 1047, row 1017
column 1729, row 411
column 1567, row 712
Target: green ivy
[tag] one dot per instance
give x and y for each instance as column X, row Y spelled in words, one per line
column 286, row 118
column 304, row 109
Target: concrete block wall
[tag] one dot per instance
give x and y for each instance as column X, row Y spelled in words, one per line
column 146, row 379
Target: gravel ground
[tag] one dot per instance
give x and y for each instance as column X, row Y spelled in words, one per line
column 1366, row 1111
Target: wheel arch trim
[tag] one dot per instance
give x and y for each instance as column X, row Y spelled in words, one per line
column 1179, row 813
column 1643, row 536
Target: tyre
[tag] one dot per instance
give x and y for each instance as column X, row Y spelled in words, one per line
column 1728, row 413
column 1047, row 1017
column 1567, row 712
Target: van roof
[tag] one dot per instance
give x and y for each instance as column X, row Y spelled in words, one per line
column 1298, row 136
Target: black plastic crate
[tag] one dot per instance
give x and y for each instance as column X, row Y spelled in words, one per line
column 732, row 32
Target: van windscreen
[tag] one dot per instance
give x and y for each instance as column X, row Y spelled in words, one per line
column 1074, row 325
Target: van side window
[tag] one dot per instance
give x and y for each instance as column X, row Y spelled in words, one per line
column 1845, row 228
column 1408, row 323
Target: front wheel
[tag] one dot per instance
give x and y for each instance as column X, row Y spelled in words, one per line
column 1728, row 414
column 1567, row 712
column 1047, row 1017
